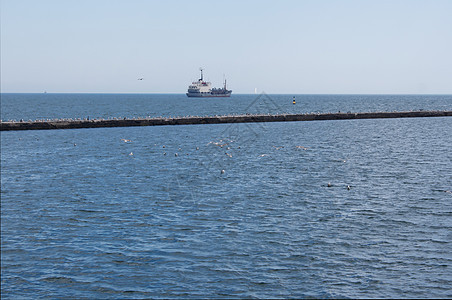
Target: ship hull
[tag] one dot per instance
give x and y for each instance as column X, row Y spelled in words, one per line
column 207, row 95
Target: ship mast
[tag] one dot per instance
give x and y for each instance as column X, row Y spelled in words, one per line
column 200, row 69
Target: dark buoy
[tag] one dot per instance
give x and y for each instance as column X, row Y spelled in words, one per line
column 293, row 101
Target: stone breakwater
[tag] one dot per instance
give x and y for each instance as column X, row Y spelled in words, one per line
column 192, row 120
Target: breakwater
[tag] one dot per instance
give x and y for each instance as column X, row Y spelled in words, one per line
column 192, row 120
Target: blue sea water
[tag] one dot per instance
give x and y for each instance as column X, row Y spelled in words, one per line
column 52, row 106
column 226, row 210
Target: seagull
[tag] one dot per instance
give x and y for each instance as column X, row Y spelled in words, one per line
column 140, row 78
column 301, row 147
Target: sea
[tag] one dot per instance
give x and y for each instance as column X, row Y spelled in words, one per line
column 320, row 209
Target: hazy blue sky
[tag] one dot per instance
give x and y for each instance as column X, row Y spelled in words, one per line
column 305, row 46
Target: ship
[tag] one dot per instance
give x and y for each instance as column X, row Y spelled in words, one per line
column 202, row 88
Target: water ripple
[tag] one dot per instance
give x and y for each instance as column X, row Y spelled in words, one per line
column 89, row 221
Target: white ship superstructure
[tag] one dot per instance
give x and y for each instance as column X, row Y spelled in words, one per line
column 203, row 88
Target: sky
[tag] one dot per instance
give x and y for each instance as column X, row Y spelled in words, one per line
column 277, row 47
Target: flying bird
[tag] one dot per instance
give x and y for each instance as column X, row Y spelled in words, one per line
column 140, row 78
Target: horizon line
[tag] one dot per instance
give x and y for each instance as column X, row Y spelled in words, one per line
column 263, row 92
